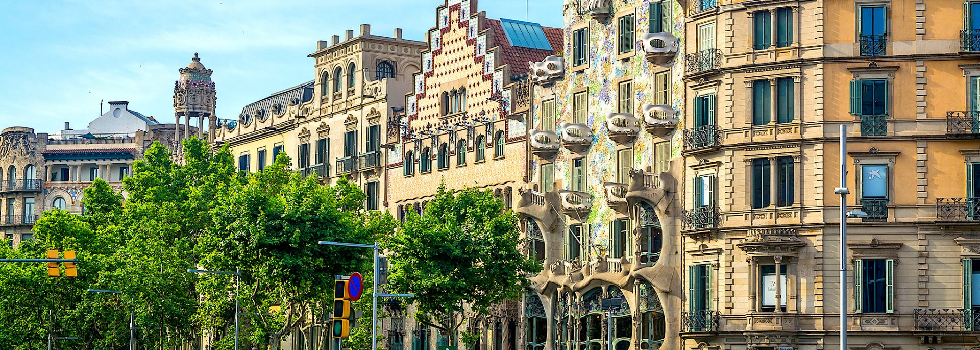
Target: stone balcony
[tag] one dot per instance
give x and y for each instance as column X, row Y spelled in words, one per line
column 616, row 194
column 660, row 48
column 575, row 203
column 659, row 120
column 623, row 128
column 544, row 143
column 576, row 137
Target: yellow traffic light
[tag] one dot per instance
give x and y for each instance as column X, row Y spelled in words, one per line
column 70, row 269
column 54, row 269
column 341, row 328
column 342, row 308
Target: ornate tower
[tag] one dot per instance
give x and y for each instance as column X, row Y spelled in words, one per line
column 194, row 97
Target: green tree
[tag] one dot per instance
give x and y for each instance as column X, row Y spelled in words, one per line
column 459, row 259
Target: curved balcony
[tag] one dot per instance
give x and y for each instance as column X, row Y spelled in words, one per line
column 575, row 202
column 659, row 120
column 547, row 70
column 616, row 193
column 659, row 47
column 599, row 9
column 537, row 205
column 544, row 143
column 576, row 136
column 623, row 128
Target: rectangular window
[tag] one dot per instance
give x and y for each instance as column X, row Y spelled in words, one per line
column 275, row 152
column 975, row 88
column 626, row 34
column 350, row 143
column 971, row 287
column 626, row 97
column 869, row 97
column 547, row 177
column 260, row 155
column 785, row 177
column 28, row 213
column 706, row 36
column 304, row 156
column 659, row 16
column 580, row 42
column 874, row 285
column 373, row 142
column 700, row 287
column 784, row 27
column 618, row 238
column 65, row 175
column 971, row 26
column 123, row 172
column 371, row 192
column 785, row 100
column 873, row 30
column 661, row 157
column 321, row 151
column 11, row 205
column 704, row 191
column 575, row 234
column 761, row 102
column 661, row 88
column 624, row 162
column 578, row 174
column 704, row 110
column 768, row 287
column 548, row 115
column 243, row 162
column 93, row 173
column 761, row 30
column 580, row 108
column 760, row 183
column 874, row 181
column 973, row 183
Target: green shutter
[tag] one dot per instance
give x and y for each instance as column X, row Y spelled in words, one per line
column 691, row 284
column 709, row 287
column 890, row 286
column 697, row 191
column 856, row 101
column 886, row 98
column 970, row 171
column 613, row 239
column 711, row 109
column 710, row 196
column 857, row 286
column 967, row 285
column 975, row 96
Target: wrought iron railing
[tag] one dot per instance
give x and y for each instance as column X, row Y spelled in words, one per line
column 876, row 208
column 12, row 220
column 370, row 160
column 346, row 165
column 703, row 5
column 700, row 321
column 946, row 320
column 522, row 95
column 970, row 40
column 958, row 209
column 22, row 185
column 28, row 219
column 962, row 122
column 701, row 137
column 703, row 60
column 701, row 218
column 873, row 45
column 874, row 125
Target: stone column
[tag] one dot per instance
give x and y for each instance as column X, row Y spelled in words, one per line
column 773, row 92
column 779, row 264
column 177, row 131
column 753, row 288
column 773, row 181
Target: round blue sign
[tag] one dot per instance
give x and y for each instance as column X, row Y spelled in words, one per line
column 355, row 286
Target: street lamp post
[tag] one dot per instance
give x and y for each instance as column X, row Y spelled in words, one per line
column 843, row 191
column 237, row 274
column 131, row 311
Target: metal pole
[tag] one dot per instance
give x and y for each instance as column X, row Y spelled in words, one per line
column 238, row 274
column 843, row 238
column 131, row 346
column 374, row 302
column 609, row 332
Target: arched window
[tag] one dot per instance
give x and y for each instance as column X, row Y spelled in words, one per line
column 536, row 331
column 453, row 102
column 622, row 321
column 462, row 99
column 337, row 79
column 653, row 324
column 30, row 178
column 480, row 148
column 59, row 203
column 498, row 147
column 651, row 236
column 385, row 70
column 590, row 323
column 325, row 83
column 443, row 156
column 461, row 153
column 409, row 164
column 535, row 240
column 351, row 77
column 11, row 177
column 425, row 164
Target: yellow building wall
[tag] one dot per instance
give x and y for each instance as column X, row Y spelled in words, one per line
column 944, row 19
column 903, row 178
column 945, row 88
column 840, row 21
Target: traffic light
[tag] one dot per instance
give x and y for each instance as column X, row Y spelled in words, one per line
column 341, row 309
column 70, row 269
column 54, row 268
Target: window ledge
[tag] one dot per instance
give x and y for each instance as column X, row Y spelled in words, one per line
column 499, row 158
column 625, row 56
column 580, row 68
column 480, row 161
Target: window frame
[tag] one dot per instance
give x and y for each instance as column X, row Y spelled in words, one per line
column 761, row 183
column 624, row 94
column 580, row 47
column 580, row 107
column 546, row 177
column 761, row 102
column 861, row 284
column 761, row 24
column 548, row 114
column 783, row 277
column 578, row 174
column 498, row 145
column 626, row 34
column 784, row 27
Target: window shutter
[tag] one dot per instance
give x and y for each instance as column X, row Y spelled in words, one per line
column 886, row 97
column 710, row 186
column 856, row 96
column 613, row 239
column 967, row 288
column 711, row 109
column 709, row 288
column 656, row 17
column 975, row 96
column 857, row 285
column 692, row 272
column 699, row 112
column 890, row 286
column 698, row 196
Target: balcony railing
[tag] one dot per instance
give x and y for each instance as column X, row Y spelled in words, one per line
column 346, row 165
column 876, row 208
column 13, row 220
column 321, row 170
column 703, row 5
column 873, row 45
column 962, row 123
column 970, row 40
column 958, row 209
column 701, row 218
column 946, row 320
column 874, row 125
column 700, row 321
column 370, row 160
column 703, row 60
column 21, row 185
column 701, row 137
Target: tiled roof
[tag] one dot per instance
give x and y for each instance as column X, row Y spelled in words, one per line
column 97, row 150
column 518, row 57
column 144, row 118
column 299, row 94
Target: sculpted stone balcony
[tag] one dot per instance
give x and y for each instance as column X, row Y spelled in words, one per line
column 660, row 48
column 575, row 203
column 643, row 186
column 537, row 205
column 659, row 120
column 575, row 136
column 616, row 194
column 599, row 9
column 548, row 70
column 544, row 143
column 623, row 128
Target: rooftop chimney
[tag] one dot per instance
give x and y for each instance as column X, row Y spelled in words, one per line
column 120, row 104
column 335, row 40
column 365, row 29
column 350, row 34
column 67, row 127
column 398, row 33
column 321, row 44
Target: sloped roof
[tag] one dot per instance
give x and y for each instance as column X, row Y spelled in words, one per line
column 144, row 117
column 300, row 93
column 518, row 56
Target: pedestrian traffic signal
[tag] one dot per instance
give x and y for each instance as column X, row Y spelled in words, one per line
column 70, row 269
column 54, row 268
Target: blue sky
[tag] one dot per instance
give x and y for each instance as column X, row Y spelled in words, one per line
column 62, row 57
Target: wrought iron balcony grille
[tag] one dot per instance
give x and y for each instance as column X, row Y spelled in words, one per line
column 970, row 40
column 22, row 185
column 958, row 209
column 701, row 137
column 28, row 219
column 703, row 60
column 703, row 5
column 873, row 45
column 874, row 125
column 946, row 320
column 370, row 160
column 701, row 218
column 346, row 165
column 962, row 122
column 10, row 220
column 877, row 209
column 700, row 321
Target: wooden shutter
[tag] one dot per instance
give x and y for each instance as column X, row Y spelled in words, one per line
column 889, row 286
column 698, row 184
column 613, row 239
column 709, row 285
column 856, row 97
column 857, row 286
column 711, row 109
column 967, row 287
column 886, row 97
column 656, row 17
column 692, row 275
column 710, row 186
column 975, row 95
column 970, row 186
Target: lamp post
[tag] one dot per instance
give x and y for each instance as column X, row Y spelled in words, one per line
column 843, row 191
column 131, row 310
column 237, row 274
